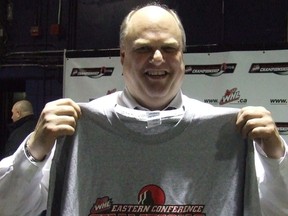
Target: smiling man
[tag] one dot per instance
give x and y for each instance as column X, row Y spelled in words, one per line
column 152, row 56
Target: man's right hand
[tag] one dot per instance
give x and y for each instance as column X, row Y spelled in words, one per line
column 58, row 118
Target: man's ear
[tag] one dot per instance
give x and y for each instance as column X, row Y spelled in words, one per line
column 18, row 112
column 122, row 56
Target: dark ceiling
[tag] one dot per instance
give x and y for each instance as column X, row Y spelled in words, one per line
column 94, row 24
column 206, row 22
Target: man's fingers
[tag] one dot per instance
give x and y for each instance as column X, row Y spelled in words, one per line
column 64, row 107
column 250, row 118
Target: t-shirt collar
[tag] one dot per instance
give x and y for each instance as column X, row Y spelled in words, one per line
column 125, row 99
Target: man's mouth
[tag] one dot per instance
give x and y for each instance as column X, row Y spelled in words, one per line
column 156, row 73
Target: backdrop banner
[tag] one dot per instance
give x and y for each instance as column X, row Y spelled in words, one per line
column 233, row 79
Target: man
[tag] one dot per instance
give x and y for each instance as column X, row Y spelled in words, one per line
column 23, row 124
column 152, row 41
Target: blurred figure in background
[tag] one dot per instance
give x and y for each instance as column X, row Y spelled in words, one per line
column 24, row 122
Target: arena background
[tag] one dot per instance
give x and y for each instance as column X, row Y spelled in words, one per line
column 234, row 79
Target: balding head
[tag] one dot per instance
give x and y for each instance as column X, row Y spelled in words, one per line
column 21, row 109
column 153, row 12
column 152, row 43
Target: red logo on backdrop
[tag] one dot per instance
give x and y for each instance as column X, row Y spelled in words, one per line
column 277, row 68
column 282, row 127
column 95, row 72
column 230, row 96
column 210, row 70
column 110, row 91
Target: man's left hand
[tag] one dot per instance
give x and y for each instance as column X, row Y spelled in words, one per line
column 257, row 123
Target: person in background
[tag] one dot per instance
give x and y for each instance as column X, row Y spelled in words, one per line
column 152, row 41
column 23, row 123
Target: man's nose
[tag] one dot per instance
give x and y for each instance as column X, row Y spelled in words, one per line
column 157, row 57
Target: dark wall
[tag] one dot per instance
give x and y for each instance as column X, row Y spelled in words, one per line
column 205, row 21
column 94, row 24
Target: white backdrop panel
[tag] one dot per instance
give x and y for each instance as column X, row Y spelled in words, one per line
column 234, row 79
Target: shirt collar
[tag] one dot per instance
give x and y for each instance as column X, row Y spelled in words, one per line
column 128, row 101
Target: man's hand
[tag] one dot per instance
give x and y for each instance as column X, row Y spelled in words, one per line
column 58, row 118
column 257, row 123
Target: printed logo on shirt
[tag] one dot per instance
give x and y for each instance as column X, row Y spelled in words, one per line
column 94, row 73
column 151, row 202
column 277, row 68
column 210, row 70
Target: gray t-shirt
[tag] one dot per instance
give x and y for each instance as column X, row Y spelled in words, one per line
column 125, row 162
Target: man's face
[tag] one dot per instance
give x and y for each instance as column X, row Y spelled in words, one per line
column 15, row 114
column 152, row 57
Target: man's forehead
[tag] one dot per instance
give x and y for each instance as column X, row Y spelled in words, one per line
column 152, row 18
column 154, row 23
column 152, row 13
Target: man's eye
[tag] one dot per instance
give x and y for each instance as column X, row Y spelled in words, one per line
column 142, row 49
column 169, row 49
